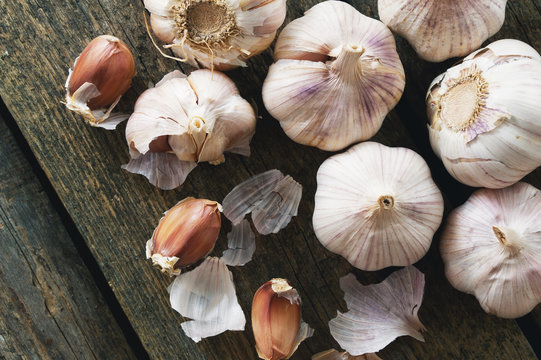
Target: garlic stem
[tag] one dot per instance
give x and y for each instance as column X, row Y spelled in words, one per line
column 386, row 202
column 347, row 65
column 508, row 240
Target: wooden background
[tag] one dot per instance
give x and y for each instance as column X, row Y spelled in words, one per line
column 74, row 282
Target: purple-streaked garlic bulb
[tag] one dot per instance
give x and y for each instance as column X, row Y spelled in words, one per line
column 219, row 34
column 185, row 120
column 491, row 247
column 377, row 206
column 484, row 115
column 337, row 75
column 442, row 29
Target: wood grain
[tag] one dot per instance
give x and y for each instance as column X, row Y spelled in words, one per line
column 116, row 211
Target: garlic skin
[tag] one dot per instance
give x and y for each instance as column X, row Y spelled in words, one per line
column 240, row 245
column 484, row 115
column 216, row 34
column 186, row 233
column 337, row 75
column 100, row 76
column 377, row 206
column 442, row 29
column 335, row 355
column 491, row 248
column 196, row 118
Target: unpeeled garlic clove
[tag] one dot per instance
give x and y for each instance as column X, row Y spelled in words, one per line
column 442, row 29
column 484, row 115
column 491, row 248
column 335, row 355
column 101, row 75
column 186, row 233
column 337, row 75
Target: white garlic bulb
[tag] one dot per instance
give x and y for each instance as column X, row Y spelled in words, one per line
column 186, row 120
column 442, row 29
column 484, row 115
column 219, row 34
column 377, row 206
column 336, row 77
column 491, row 247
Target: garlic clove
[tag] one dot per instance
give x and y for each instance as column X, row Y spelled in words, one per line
column 377, row 206
column 101, row 75
column 439, row 30
column 379, row 313
column 336, row 77
column 335, row 355
column 241, row 245
column 491, row 248
column 483, row 115
column 207, row 295
column 186, row 233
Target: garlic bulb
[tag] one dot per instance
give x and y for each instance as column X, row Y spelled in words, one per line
column 336, row 77
column 442, row 29
column 186, row 120
column 101, row 75
column 491, row 247
column 377, row 206
column 335, row 355
column 484, row 115
column 219, row 34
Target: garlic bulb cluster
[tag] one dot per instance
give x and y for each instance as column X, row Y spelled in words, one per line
column 377, row 206
column 491, row 247
column 336, row 77
column 101, row 75
column 183, row 121
column 335, row 355
column 219, row 34
column 484, row 115
column 442, row 29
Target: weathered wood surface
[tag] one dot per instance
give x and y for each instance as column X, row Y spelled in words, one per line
column 50, row 307
column 116, row 211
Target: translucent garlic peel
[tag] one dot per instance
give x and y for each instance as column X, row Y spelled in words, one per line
column 491, row 247
column 439, row 30
column 336, row 77
column 484, row 115
column 219, row 34
column 379, row 313
column 207, row 295
column 377, row 206
column 241, row 245
column 335, row 355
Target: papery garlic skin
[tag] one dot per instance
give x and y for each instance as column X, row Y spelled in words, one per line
column 491, row 248
column 100, row 76
column 483, row 113
column 377, row 206
column 335, row 355
column 442, row 29
column 337, row 75
column 218, row 34
column 197, row 118
column 186, row 233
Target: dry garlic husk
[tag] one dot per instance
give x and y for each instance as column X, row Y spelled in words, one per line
column 183, row 121
column 377, row 206
column 219, row 34
column 379, row 313
column 335, row 355
column 336, row 77
column 207, row 296
column 491, row 247
column 484, row 115
column 276, row 320
column 186, row 233
column 442, row 29
column 100, row 76
column 240, row 245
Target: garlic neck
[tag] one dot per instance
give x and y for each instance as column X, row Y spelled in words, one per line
column 386, row 202
column 198, row 130
column 347, row 66
column 508, row 238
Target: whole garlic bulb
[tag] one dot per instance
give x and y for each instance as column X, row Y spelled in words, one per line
column 491, row 247
column 484, row 115
column 377, row 206
column 219, row 34
column 442, row 29
column 336, row 77
column 186, row 120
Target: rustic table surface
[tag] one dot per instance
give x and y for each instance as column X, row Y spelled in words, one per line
column 74, row 282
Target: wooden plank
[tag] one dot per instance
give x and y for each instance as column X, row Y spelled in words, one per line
column 116, row 212
column 51, row 307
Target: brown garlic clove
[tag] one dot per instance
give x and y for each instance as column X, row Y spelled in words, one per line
column 185, row 234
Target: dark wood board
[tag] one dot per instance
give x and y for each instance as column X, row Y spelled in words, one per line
column 116, row 211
